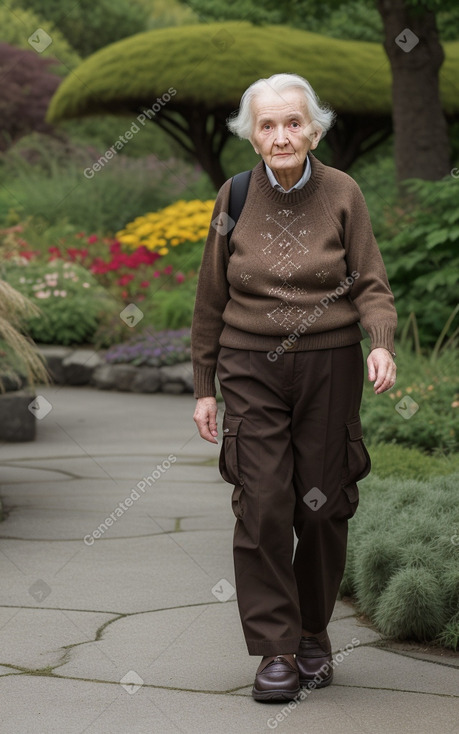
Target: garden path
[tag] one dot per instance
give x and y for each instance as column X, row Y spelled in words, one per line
column 131, row 625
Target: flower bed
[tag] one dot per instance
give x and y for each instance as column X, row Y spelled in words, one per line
column 153, row 349
column 179, row 223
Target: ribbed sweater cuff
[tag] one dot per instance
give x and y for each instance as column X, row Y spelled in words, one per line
column 204, row 382
column 382, row 336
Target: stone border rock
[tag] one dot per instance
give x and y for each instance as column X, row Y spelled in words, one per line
column 86, row 367
column 17, row 421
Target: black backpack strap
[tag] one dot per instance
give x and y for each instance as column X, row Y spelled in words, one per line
column 238, row 194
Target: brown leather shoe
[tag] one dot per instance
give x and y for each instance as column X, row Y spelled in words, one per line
column 276, row 680
column 314, row 660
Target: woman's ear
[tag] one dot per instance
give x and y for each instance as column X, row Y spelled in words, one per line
column 314, row 133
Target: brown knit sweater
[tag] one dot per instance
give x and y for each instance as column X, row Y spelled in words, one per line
column 305, row 270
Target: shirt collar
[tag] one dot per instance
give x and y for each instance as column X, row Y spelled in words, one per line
column 299, row 184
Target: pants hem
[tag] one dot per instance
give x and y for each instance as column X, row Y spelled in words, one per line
column 286, row 646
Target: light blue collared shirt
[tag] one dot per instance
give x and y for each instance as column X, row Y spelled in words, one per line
column 299, row 184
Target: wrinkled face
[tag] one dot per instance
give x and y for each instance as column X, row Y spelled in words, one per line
column 283, row 132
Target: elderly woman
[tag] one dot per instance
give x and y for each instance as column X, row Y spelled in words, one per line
column 277, row 318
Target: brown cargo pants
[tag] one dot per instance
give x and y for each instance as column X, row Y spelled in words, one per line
column 293, row 449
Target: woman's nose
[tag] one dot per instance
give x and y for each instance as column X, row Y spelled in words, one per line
column 281, row 136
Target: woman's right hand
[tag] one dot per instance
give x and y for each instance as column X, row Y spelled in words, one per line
column 205, row 417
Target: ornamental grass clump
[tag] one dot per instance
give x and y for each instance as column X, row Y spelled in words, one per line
column 402, row 565
column 18, row 356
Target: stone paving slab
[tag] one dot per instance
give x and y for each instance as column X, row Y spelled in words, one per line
column 432, row 654
column 166, row 649
column 55, row 705
column 95, row 422
column 182, row 634
column 35, row 638
column 69, row 524
column 130, row 467
column 123, row 575
column 11, row 475
column 378, row 668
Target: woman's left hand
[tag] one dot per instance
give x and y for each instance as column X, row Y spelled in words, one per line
column 381, row 369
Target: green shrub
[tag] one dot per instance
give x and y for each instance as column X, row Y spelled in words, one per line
column 14, row 24
column 173, row 309
column 433, row 386
column 89, row 26
column 72, row 304
column 393, row 460
column 422, row 257
column 375, row 174
column 402, row 560
column 54, row 193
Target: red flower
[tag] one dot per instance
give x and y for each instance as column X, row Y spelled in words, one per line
column 124, row 294
column 168, row 270
column 179, row 277
column 92, row 238
column 144, row 284
column 125, row 279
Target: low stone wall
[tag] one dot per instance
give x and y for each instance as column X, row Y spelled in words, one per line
column 85, row 367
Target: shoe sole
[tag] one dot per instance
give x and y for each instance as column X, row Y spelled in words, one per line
column 279, row 695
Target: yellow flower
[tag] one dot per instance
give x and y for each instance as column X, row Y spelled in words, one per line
column 181, row 222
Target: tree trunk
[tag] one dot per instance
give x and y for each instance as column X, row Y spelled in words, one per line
column 207, row 140
column 415, row 55
column 353, row 136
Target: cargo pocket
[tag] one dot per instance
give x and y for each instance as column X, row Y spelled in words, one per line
column 357, row 464
column 229, row 461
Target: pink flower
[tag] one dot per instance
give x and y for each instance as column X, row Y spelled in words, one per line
column 179, row 277
column 92, row 238
column 43, row 294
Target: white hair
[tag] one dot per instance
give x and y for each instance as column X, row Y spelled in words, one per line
column 241, row 123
